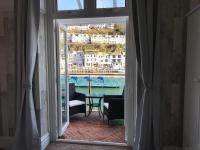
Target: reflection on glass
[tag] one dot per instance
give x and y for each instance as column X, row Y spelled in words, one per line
column 110, row 3
column 70, row 4
column 63, row 83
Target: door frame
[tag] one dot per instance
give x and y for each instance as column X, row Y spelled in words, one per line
column 70, row 22
column 61, row 127
column 130, row 100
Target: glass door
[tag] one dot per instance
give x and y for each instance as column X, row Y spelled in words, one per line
column 63, row 111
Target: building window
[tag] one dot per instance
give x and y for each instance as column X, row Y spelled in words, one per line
column 63, row 5
column 110, row 3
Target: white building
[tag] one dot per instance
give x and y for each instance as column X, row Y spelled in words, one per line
column 90, row 60
column 108, row 39
column 112, row 61
column 118, row 61
column 81, row 27
column 76, row 59
column 89, row 26
column 104, row 25
column 95, row 60
column 80, row 38
column 96, row 38
column 117, row 39
column 100, row 39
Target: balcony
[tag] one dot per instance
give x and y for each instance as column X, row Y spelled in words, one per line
column 94, row 127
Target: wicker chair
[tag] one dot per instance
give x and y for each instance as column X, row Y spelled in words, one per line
column 113, row 107
column 77, row 101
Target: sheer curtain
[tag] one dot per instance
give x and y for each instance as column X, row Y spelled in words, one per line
column 145, row 15
column 27, row 25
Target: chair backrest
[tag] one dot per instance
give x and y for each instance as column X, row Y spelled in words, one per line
column 71, row 91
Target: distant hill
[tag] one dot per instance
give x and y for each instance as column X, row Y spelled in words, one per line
column 119, row 29
column 98, row 48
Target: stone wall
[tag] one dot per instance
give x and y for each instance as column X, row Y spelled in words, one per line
column 173, row 39
column 7, row 66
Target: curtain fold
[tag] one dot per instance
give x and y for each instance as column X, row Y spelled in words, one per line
column 146, row 30
column 27, row 25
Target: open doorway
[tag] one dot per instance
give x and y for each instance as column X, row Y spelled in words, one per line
column 91, row 71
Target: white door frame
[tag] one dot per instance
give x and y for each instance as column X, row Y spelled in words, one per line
column 61, row 127
column 130, row 107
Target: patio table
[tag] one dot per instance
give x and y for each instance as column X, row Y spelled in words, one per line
column 93, row 104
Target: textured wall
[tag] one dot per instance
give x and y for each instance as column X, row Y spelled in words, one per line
column 173, row 35
column 7, row 72
column 6, row 5
column 7, row 66
column 193, row 3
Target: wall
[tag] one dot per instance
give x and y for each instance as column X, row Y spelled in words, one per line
column 173, row 38
column 8, row 79
column 194, row 3
column 7, row 65
column 172, row 72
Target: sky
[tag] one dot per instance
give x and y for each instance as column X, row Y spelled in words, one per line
column 72, row 4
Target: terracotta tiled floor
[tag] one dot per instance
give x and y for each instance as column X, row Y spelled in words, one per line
column 93, row 128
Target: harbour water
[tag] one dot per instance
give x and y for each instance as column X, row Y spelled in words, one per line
column 100, row 85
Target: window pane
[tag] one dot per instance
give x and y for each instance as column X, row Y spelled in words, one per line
column 110, row 3
column 70, row 4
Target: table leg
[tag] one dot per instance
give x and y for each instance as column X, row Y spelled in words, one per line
column 100, row 111
column 90, row 107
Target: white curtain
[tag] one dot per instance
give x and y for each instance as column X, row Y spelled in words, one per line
column 27, row 25
column 145, row 15
column 131, row 81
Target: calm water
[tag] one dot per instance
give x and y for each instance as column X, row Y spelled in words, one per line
column 100, row 85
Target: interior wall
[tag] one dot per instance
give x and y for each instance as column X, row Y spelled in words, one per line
column 8, row 78
column 7, row 66
column 194, row 3
column 172, row 71
column 173, row 39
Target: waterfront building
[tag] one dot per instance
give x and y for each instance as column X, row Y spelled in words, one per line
column 108, row 39
column 80, row 38
column 96, row 38
column 109, row 61
column 80, row 27
column 76, row 59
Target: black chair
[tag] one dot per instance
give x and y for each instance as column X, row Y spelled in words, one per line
column 77, row 101
column 113, row 107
